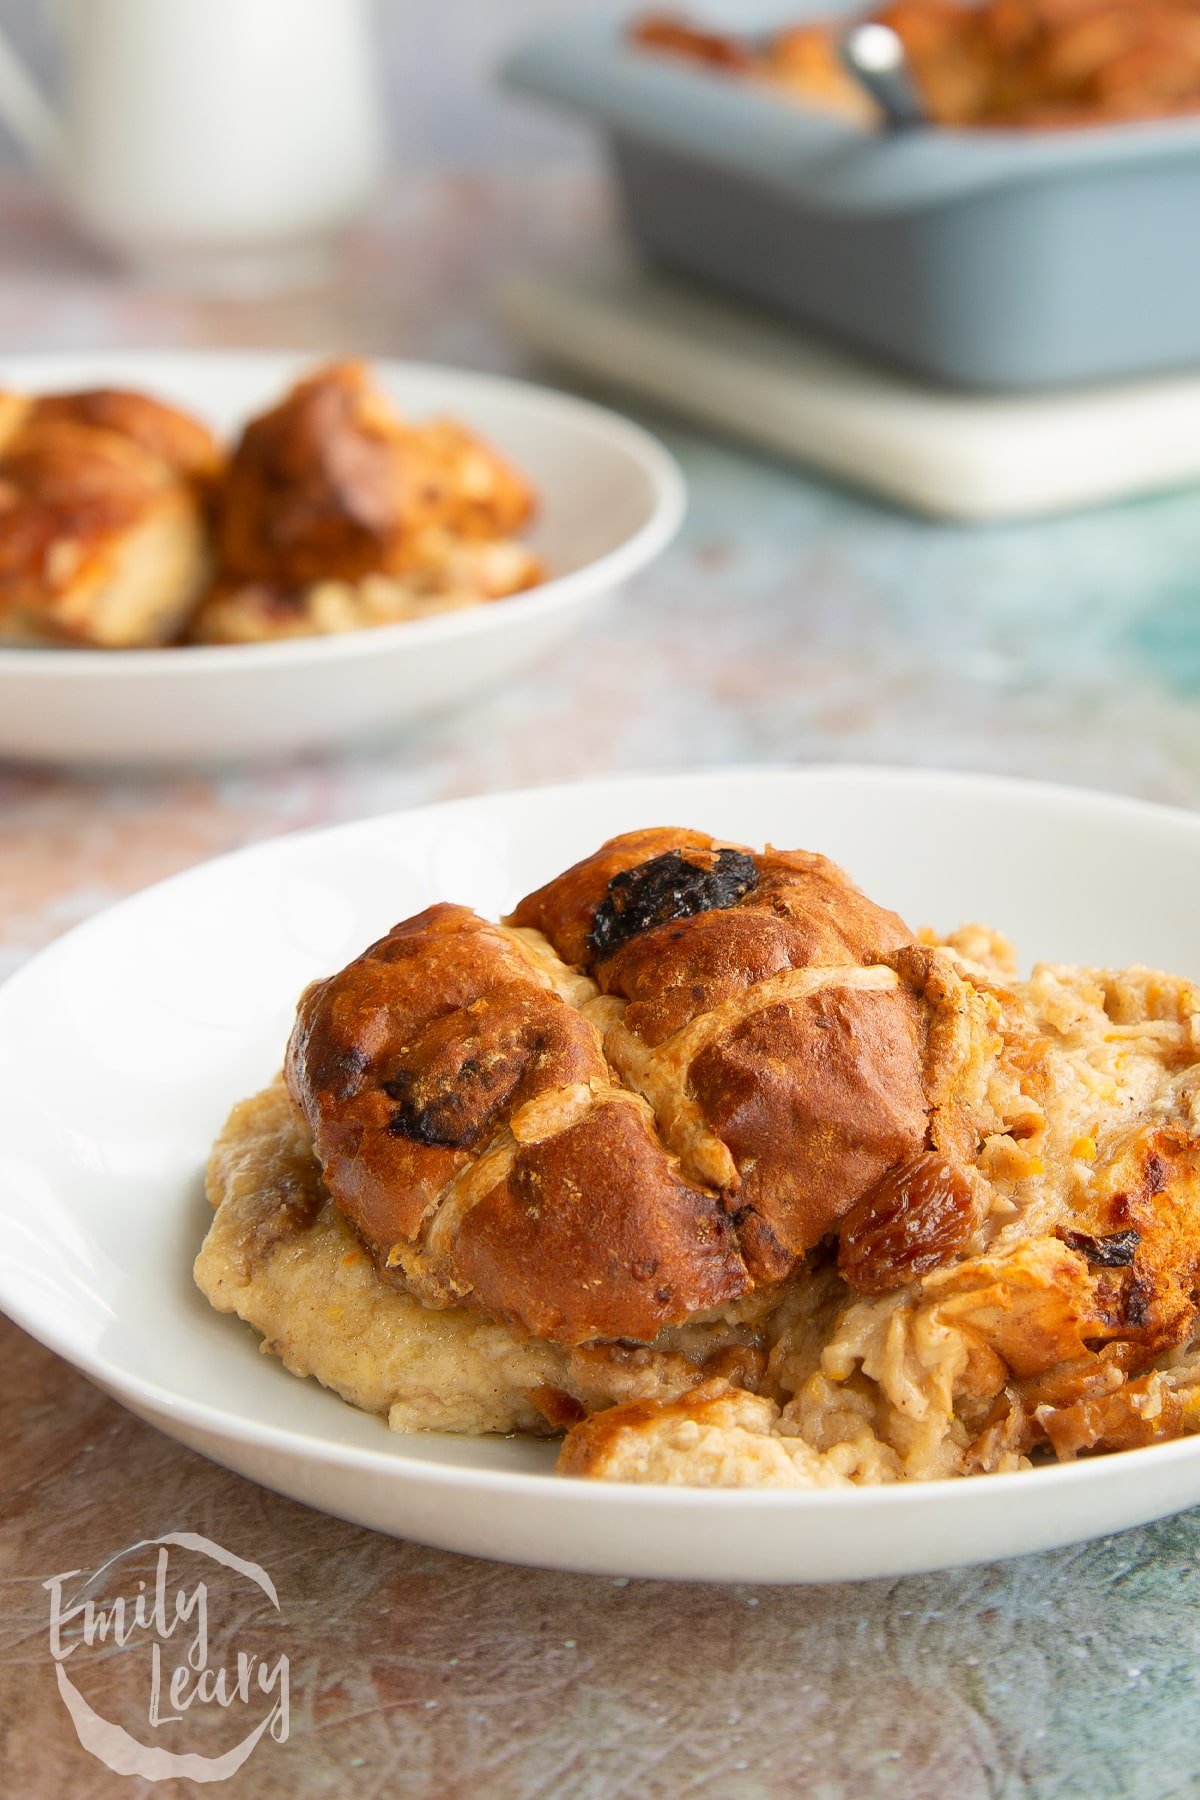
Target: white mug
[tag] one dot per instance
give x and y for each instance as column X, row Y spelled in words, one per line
column 206, row 127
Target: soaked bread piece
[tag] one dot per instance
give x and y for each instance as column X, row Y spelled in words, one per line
column 333, row 485
column 103, row 519
column 338, row 515
column 1047, row 1304
column 714, row 1436
column 452, row 574
column 281, row 1255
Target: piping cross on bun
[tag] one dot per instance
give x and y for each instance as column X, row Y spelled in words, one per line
column 751, row 1003
column 661, row 1083
column 469, row 1125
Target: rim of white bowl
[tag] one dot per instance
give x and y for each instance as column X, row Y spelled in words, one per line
column 207, row 1417
column 609, row 571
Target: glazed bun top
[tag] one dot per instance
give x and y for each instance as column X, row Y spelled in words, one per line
column 666, row 1078
column 333, row 484
column 104, row 499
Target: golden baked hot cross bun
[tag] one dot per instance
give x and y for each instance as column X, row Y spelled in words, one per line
column 332, row 484
column 469, row 1125
column 176, row 439
column 103, row 518
column 671, row 1074
column 754, row 1006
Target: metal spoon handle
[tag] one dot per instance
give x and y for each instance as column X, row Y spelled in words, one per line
column 875, row 55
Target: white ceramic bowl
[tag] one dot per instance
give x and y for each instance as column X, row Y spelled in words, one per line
column 611, row 499
column 123, row 1046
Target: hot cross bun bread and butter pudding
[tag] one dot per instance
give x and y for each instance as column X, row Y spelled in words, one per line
column 711, row 1164
column 989, row 64
column 124, row 524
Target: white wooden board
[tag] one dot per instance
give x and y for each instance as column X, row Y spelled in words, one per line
column 951, row 455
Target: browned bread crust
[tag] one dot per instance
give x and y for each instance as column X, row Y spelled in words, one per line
column 468, row 1123
column 173, row 437
column 678, row 36
column 604, row 1157
column 782, row 1056
column 103, row 530
column 333, row 484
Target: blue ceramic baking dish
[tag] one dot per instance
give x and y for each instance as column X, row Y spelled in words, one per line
column 983, row 259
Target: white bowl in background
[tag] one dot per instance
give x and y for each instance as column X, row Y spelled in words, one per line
column 611, row 498
column 124, row 1045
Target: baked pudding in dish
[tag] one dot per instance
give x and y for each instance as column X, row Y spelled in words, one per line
column 1039, row 64
column 709, row 1162
column 124, row 526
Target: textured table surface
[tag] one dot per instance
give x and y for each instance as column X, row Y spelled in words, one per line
column 792, row 622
